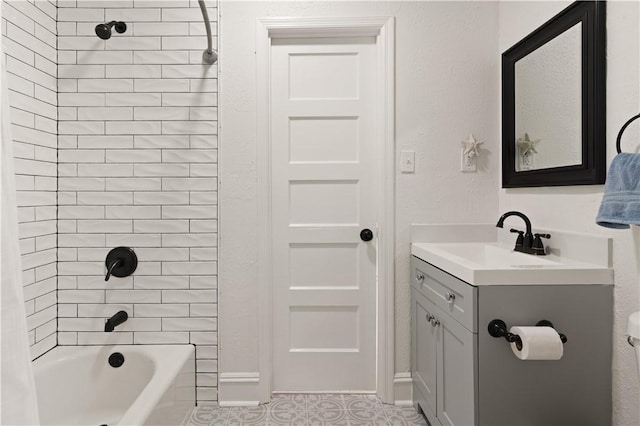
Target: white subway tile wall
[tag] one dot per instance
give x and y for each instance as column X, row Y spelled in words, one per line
column 138, row 167
column 116, row 144
column 29, row 44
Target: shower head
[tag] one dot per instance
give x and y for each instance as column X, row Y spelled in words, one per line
column 104, row 30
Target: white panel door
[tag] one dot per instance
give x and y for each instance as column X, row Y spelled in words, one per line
column 325, row 149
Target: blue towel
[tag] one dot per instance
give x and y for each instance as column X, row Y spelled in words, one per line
column 621, row 200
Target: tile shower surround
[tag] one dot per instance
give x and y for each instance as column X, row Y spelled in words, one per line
column 136, row 166
column 29, row 45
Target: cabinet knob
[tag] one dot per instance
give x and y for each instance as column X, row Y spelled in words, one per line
column 450, row 296
column 419, row 276
column 435, row 322
column 430, row 317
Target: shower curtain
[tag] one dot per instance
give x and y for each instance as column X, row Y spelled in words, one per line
column 18, row 405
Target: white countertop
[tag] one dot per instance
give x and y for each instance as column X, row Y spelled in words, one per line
column 491, row 263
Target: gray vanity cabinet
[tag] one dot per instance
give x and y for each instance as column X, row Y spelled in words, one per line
column 456, row 373
column 425, row 340
column 462, row 376
column 443, row 363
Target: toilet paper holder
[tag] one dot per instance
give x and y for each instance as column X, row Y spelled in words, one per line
column 498, row 328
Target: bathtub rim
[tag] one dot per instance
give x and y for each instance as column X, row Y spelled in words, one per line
column 153, row 391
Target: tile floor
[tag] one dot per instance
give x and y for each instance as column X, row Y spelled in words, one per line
column 312, row 410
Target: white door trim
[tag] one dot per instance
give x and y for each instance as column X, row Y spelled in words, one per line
column 382, row 28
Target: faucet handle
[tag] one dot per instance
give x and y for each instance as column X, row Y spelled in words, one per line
column 538, row 246
column 520, row 239
column 120, row 262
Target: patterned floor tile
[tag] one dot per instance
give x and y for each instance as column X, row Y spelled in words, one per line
column 326, row 417
column 249, row 416
column 402, row 416
column 288, row 402
column 362, row 402
column 325, row 402
column 368, row 416
column 309, row 410
column 288, row 417
column 208, row 414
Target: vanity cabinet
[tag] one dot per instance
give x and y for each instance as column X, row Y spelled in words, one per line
column 463, row 376
column 444, row 370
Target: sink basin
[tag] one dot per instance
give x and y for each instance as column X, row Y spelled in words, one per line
column 495, row 264
column 493, row 255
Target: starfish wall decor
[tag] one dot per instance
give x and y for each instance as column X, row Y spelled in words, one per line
column 471, row 146
column 526, row 145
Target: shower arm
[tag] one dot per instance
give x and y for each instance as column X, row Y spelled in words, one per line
column 209, row 56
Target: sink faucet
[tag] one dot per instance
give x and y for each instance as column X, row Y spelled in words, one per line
column 115, row 321
column 528, row 243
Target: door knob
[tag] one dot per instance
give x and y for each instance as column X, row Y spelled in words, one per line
column 366, row 234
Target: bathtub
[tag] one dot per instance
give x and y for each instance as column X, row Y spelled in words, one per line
column 155, row 385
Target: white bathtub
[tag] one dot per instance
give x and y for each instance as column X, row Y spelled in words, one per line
column 154, row 386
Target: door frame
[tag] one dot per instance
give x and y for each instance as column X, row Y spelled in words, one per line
column 382, row 28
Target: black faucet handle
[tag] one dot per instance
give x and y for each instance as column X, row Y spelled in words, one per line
column 120, row 262
column 538, row 246
column 520, row 239
column 116, row 263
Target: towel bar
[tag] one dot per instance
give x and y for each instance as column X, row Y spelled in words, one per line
column 622, row 131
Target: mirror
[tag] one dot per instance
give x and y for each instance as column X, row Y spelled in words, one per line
column 549, row 134
column 553, row 102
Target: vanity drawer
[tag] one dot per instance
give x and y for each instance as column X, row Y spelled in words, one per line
column 451, row 294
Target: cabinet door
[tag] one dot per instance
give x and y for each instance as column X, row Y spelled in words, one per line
column 456, row 404
column 425, row 350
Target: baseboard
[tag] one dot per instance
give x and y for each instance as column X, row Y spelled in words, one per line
column 239, row 389
column 403, row 389
column 243, row 389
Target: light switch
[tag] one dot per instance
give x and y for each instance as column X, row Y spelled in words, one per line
column 407, row 161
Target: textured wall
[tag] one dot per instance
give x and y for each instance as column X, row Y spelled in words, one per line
column 572, row 208
column 446, row 87
column 137, row 167
column 29, row 42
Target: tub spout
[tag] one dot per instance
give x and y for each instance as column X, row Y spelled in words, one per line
column 115, row 321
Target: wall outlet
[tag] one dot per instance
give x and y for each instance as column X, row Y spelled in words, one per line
column 527, row 161
column 407, row 161
column 467, row 162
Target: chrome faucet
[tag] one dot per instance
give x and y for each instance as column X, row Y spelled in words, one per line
column 115, row 321
column 526, row 242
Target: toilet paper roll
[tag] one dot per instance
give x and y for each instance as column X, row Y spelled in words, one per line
column 538, row 343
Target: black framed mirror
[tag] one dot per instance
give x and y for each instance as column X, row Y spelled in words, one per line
column 554, row 101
